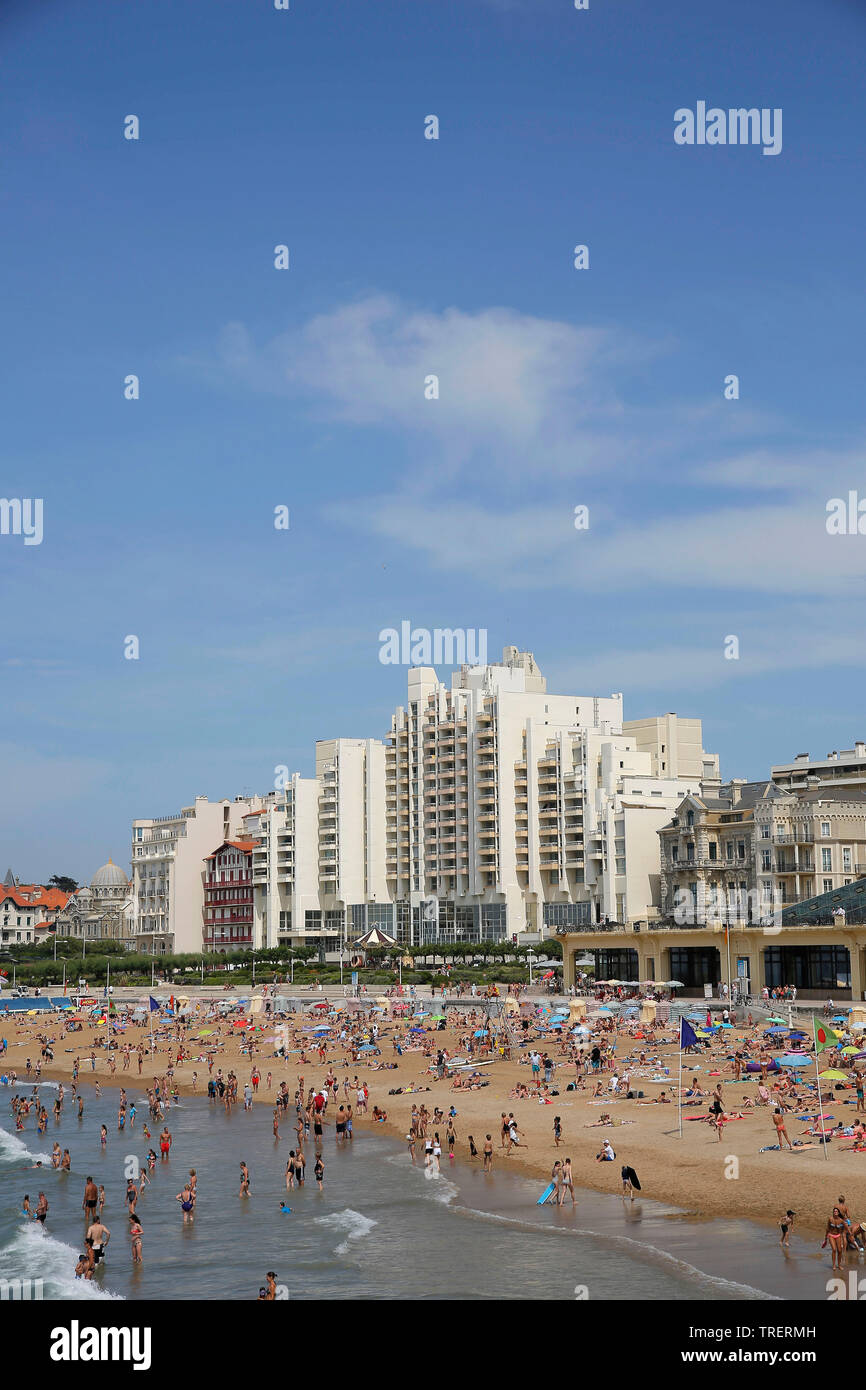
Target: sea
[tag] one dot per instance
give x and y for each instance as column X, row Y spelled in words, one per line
column 381, row 1228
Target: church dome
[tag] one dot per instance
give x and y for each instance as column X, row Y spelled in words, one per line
column 109, row 876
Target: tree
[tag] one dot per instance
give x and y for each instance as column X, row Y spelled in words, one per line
column 66, row 885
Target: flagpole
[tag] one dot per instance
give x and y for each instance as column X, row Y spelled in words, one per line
column 818, row 1080
column 680, row 1087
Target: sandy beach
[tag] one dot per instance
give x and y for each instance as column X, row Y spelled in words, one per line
column 703, row 1177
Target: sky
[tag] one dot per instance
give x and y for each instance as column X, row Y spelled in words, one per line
column 304, row 388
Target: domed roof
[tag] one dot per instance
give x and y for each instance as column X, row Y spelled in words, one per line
column 109, row 876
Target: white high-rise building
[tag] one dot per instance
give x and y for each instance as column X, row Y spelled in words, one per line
column 511, row 810
column 494, row 809
column 168, row 854
column 285, row 836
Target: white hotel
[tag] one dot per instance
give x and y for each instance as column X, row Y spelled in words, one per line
column 492, row 809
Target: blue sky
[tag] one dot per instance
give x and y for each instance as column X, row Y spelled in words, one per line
column 305, row 388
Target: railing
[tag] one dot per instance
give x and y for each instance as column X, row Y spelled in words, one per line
column 590, row 926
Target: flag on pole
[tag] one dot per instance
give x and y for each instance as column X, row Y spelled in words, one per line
column 688, row 1036
column 823, row 1036
column 154, row 1004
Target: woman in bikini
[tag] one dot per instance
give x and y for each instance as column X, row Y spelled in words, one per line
column 836, row 1234
column 135, row 1230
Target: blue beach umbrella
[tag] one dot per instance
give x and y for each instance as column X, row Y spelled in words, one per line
column 794, row 1059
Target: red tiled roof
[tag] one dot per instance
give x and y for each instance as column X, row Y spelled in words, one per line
column 34, row 895
column 245, row 846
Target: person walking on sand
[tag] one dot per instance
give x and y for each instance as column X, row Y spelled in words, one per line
column 786, row 1225
column 487, row 1160
column 781, row 1132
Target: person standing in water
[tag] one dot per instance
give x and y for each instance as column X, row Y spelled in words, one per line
column 135, row 1231
column 186, row 1204
column 245, row 1181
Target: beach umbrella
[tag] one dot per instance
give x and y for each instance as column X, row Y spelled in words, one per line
column 674, row 984
column 849, row 1051
column 614, row 982
column 794, row 1059
column 832, row 1074
column 774, row 1019
column 603, row 1013
column 775, row 1030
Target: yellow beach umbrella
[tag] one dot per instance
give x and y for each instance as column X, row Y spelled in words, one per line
column 833, row 1075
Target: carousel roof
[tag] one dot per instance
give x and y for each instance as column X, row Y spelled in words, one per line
column 375, row 937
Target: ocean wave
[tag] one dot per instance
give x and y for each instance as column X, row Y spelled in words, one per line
column 353, row 1223
column 14, row 1150
column 33, row 1255
column 637, row 1250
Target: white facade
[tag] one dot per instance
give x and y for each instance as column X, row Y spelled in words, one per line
column 285, row 835
column 495, row 808
column 168, row 865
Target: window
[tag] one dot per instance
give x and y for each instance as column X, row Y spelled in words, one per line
column 826, row 859
column 825, row 830
column 714, row 851
column 828, row 885
column 741, row 849
column 846, row 860
column 765, row 859
column 765, row 832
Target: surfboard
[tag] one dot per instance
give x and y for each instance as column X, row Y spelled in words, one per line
column 546, row 1194
column 633, row 1178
